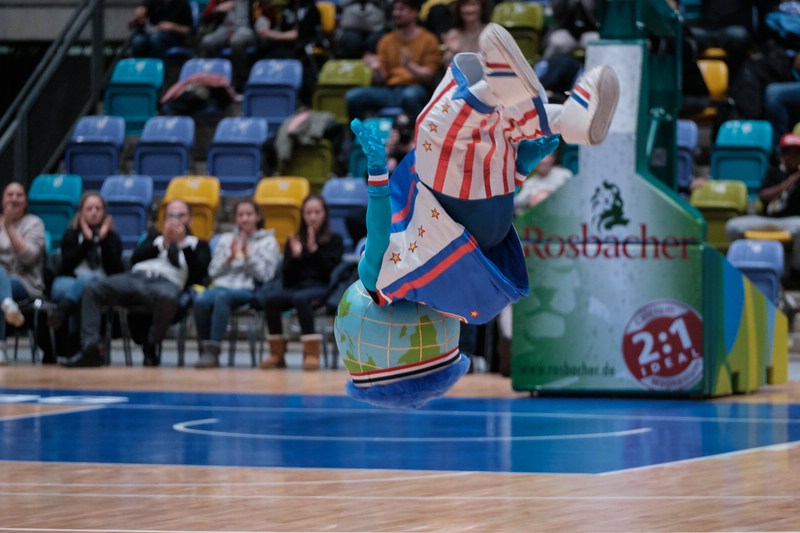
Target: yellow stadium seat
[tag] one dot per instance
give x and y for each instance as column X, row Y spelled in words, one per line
column 715, row 74
column 327, row 15
column 779, row 235
column 718, row 201
column 336, row 77
column 525, row 22
column 280, row 199
column 202, row 195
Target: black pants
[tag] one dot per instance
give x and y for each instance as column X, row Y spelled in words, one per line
column 303, row 300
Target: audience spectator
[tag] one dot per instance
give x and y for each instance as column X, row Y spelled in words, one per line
column 782, row 99
column 164, row 265
column 470, row 17
column 243, row 259
column 546, row 178
column 90, row 249
column 234, row 29
column 361, row 24
column 403, row 70
column 159, row 25
column 574, row 26
column 310, row 256
column 22, row 250
column 731, row 25
column 781, row 196
column 437, row 16
column 298, row 29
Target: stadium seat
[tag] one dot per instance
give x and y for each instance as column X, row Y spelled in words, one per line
column 128, row 201
column 762, row 262
column 133, row 91
column 313, row 162
column 271, row 90
column 202, row 195
column 357, row 161
column 336, row 77
column 687, row 146
column 93, row 151
column 235, row 154
column 280, row 199
column 569, row 157
column 525, row 22
column 715, row 74
column 742, row 151
column 54, row 198
column 197, row 65
column 164, row 149
column 344, row 196
column 719, row 201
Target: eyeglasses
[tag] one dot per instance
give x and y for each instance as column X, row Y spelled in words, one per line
column 177, row 216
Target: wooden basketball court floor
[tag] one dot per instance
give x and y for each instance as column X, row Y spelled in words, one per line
column 168, row 449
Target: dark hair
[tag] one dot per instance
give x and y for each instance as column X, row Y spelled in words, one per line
column 76, row 220
column 458, row 22
column 260, row 223
column 416, row 5
column 324, row 234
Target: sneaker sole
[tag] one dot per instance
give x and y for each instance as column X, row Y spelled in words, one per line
column 608, row 87
column 504, row 42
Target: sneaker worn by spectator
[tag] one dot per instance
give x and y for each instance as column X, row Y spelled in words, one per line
column 13, row 315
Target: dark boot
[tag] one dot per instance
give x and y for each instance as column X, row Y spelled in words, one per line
column 277, row 352
column 56, row 317
column 152, row 356
column 209, row 355
column 91, row 355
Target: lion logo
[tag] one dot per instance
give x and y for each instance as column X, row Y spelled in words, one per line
column 607, row 207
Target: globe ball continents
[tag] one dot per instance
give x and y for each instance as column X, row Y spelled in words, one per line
column 372, row 338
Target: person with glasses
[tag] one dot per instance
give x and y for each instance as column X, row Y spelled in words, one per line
column 164, row 265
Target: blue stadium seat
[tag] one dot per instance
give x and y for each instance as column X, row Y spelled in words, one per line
column 687, row 146
column 271, row 90
column 163, row 150
column 741, row 152
column 133, row 91
column 128, row 200
column 344, row 196
column 54, row 198
column 93, row 151
column 197, row 65
column 235, row 154
column 762, row 262
column 569, row 157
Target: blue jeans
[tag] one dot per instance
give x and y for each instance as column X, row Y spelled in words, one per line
column 212, row 311
column 363, row 101
column 10, row 287
column 154, row 44
column 69, row 288
column 782, row 107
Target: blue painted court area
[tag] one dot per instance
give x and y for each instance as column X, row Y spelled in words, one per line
column 543, row 435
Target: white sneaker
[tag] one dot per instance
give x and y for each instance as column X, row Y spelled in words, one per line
column 13, row 314
column 509, row 74
column 587, row 113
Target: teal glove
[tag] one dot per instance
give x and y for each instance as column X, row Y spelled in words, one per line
column 530, row 152
column 373, row 147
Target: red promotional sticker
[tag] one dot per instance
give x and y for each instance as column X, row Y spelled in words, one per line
column 663, row 345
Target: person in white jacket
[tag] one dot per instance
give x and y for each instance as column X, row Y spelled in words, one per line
column 242, row 259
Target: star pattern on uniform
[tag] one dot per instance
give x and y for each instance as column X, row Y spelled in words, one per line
column 433, row 127
column 434, row 213
column 412, row 246
column 420, row 231
column 427, row 146
column 445, row 107
column 395, row 258
column 474, row 313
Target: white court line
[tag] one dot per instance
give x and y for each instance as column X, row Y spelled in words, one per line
column 456, row 498
column 66, row 411
column 779, row 447
column 186, row 427
column 509, row 414
column 249, row 484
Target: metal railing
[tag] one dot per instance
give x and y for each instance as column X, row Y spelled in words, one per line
column 64, row 86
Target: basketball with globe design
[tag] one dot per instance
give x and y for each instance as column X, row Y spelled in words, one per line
column 399, row 355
